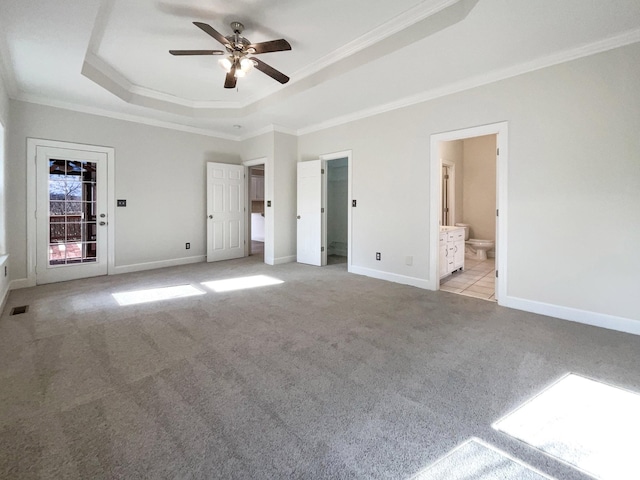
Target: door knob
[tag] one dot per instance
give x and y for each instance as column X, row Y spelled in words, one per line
column 102, row 215
column 210, row 216
column 103, row 223
column 298, row 217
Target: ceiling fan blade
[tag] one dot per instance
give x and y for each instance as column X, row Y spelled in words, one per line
column 208, row 29
column 196, row 52
column 271, row 46
column 269, row 70
column 230, row 80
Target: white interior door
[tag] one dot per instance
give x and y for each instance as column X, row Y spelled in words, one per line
column 310, row 212
column 71, row 214
column 225, row 211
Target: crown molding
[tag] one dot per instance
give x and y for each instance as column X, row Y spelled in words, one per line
column 102, row 73
column 610, row 43
column 269, row 129
column 625, row 38
column 396, row 24
column 48, row 102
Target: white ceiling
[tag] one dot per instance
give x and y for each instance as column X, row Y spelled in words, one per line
column 349, row 57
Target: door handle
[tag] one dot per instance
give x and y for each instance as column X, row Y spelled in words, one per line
column 103, row 223
column 210, row 216
column 298, row 217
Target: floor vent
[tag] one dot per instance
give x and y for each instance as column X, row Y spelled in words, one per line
column 19, row 310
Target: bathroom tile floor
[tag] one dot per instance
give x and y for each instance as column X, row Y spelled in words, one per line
column 477, row 280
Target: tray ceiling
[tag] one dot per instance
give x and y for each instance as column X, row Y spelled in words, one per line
column 348, row 58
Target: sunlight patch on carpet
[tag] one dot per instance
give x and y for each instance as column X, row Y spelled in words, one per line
column 476, row 460
column 156, row 294
column 242, row 283
column 583, row 422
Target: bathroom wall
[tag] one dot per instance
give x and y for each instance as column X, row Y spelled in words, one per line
column 479, row 186
column 453, row 152
column 337, row 198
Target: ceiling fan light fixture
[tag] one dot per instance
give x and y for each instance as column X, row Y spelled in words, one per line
column 226, row 64
column 246, row 64
column 239, row 57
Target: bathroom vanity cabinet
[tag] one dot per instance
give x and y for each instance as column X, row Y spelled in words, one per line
column 451, row 250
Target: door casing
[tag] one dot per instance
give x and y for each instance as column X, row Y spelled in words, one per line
column 501, row 131
column 32, row 145
column 335, row 156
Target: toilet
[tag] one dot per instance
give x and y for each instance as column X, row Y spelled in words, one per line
column 477, row 246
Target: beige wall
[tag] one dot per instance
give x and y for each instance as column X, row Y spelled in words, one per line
column 453, row 152
column 4, row 101
column 4, row 123
column 281, row 155
column 479, row 186
column 285, row 181
column 573, row 178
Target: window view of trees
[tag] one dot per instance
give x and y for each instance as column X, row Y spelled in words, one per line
column 72, row 218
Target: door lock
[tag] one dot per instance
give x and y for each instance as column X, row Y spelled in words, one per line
column 102, row 215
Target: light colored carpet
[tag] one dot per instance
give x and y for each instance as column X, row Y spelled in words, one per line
column 474, row 460
column 585, row 423
column 327, row 375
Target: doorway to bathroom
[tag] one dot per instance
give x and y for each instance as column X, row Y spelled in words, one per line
column 468, row 211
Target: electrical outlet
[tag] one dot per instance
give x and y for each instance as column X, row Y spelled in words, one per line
column 377, row 255
column 187, row 245
column 122, row 203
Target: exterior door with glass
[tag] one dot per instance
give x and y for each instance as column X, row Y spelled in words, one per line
column 71, row 214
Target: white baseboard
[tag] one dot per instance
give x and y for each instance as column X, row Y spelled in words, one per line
column 138, row 267
column 22, row 283
column 4, row 282
column 602, row 320
column 281, row 260
column 391, row 277
column 4, row 295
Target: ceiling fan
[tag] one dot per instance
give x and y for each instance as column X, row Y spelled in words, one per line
column 239, row 59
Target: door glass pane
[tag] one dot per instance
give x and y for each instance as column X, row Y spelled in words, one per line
column 72, row 212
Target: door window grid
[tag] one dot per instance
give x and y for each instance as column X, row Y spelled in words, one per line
column 72, row 212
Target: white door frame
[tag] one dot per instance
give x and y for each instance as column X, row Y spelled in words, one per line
column 32, row 145
column 269, row 253
column 501, row 130
column 334, row 156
